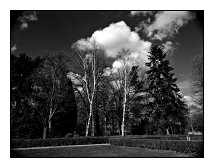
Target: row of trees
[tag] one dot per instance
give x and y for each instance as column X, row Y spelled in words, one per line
column 41, row 94
column 94, row 99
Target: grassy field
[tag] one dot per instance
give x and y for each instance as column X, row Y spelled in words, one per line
column 94, row 151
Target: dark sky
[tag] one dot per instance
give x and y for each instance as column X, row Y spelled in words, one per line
column 57, row 30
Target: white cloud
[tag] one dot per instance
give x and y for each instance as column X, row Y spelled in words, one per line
column 28, row 16
column 14, row 48
column 166, row 24
column 24, row 25
column 118, row 36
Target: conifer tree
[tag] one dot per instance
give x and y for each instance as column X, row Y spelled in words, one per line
column 168, row 111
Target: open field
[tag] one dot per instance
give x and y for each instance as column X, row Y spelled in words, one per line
column 105, row 150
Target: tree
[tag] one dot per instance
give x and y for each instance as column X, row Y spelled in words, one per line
column 24, row 118
column 65, row 121
column 49, row 82
column 198, row 79
column 198, row 92
column 168, row 111
column 91, row 66
column 127, row 83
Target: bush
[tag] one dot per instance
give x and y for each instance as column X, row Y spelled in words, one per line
column 194, row 147
column 162, row 137
column 69, row 135
column 24, row 143
column 107, row 133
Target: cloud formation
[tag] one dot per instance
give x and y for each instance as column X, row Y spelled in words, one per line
column 14, row 48
column 118, row 36
column 165, row 24
column 28, row 16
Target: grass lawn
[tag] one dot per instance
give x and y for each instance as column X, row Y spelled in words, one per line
column 94, row 151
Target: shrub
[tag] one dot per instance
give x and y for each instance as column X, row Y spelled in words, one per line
column 194, row 147
column 24, row 143
column 69, row 135
column 163, row 137
column 107, row 133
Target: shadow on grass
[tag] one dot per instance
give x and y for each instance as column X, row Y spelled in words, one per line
column 95, row 151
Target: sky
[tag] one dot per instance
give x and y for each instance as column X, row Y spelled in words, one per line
column 180, row 33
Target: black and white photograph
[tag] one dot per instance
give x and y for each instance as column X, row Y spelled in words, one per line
column 107, row 84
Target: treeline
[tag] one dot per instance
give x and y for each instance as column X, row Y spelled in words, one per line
column 49, row 99
column 42, row 97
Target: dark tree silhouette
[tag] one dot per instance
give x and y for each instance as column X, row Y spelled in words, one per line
column 68, row 118
column 24, row 119
column 168, row 111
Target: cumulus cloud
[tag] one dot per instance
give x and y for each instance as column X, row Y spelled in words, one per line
column 14, row 48
column 118, row 36
column 28, row 16
column 23, row 26
column 165, row 24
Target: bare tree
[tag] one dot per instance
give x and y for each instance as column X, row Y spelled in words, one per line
column 48, row 85
column 91, row 65
column 122, row 80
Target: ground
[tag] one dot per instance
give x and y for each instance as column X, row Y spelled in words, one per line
column 106, row 150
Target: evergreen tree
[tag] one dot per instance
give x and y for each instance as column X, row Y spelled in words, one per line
column 168, row 111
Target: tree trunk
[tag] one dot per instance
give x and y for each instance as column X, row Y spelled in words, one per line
column 192, row 128
column 44, row 129
column 44, row 132
column 122, row 126
column 167, row 131
column 49, row 126
column 92, row 124
column 89, row 119
column 50, row 116
column 105, row 124
column 124, row 107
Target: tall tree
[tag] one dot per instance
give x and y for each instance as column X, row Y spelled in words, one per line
column 198, row 92
column 49, row 87
column 167, row 109
column 23, row 117
column 91, row 66
column 126, row 82
column 198, row 79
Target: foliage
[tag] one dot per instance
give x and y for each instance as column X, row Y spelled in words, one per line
column 91, row 64
column 50, row 89
column 47, row 101
column 198, row 79
column 166, row 107
column 197, row 117
column 24, row 119
column 25, row 143
column 65, row 122
column 195, row 147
